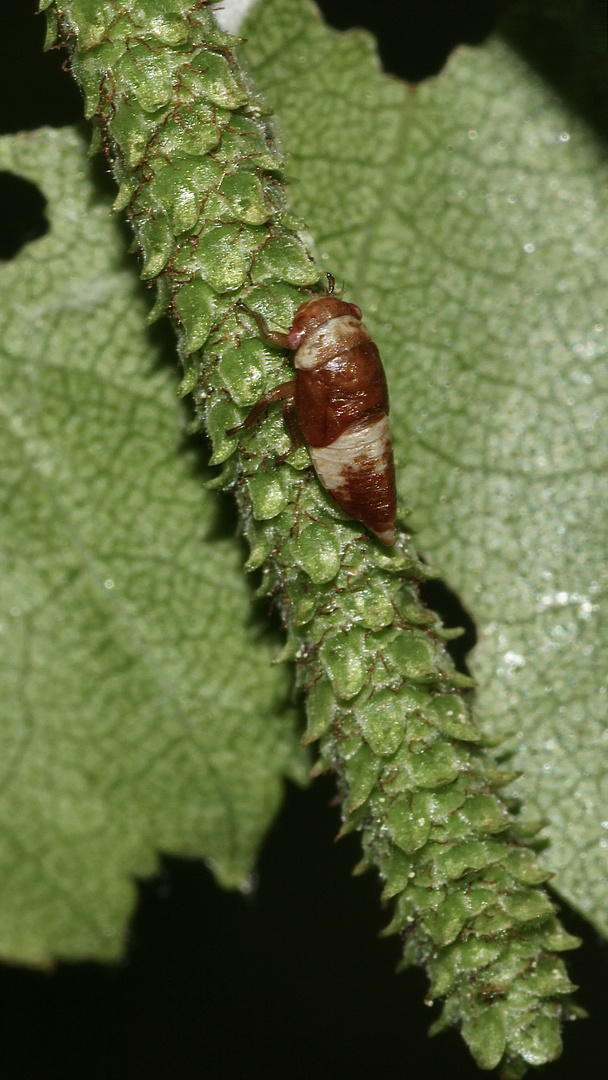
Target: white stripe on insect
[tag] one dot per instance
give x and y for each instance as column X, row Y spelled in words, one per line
column 357, row 447
column 341, row 332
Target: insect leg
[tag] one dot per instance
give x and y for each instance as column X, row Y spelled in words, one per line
column 271, row 336
column 283, row 392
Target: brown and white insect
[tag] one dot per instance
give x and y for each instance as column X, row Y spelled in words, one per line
column 340, row 400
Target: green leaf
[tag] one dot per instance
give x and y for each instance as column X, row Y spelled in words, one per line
column 468, row 217
column 141, row 709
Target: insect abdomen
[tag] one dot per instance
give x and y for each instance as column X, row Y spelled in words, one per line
column 357, row 470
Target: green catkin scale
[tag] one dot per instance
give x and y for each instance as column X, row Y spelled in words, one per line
column 200, row 180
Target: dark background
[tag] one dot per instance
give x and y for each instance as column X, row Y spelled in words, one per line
column 290, row 981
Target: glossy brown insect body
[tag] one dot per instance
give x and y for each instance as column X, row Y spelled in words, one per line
column 340, row 399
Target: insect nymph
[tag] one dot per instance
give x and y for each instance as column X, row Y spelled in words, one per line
column 340, row 400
